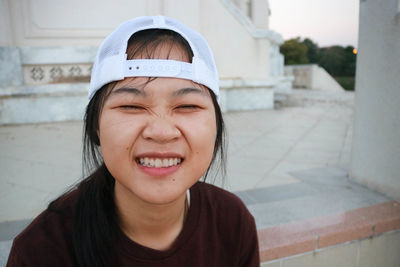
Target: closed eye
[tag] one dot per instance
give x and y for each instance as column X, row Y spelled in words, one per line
column 188, row 107
column 130, row 107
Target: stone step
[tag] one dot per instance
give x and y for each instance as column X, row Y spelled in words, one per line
column 43, row 103
column 67, row 101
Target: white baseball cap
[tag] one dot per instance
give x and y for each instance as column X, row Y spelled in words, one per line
column 111, row 62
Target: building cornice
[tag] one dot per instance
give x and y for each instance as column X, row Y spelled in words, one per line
column 255, row 32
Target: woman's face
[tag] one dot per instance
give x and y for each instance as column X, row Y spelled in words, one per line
column 157, row 138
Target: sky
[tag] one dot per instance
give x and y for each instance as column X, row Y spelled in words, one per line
column 326, row 22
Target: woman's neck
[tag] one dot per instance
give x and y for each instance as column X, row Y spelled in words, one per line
column 151, row 225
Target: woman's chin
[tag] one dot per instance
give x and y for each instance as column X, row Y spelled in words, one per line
column 165, row 198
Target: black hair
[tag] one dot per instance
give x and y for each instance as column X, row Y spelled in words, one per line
column 95, row 226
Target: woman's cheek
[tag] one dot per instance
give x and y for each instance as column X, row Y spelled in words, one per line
column 116, row 136
column 202, row 133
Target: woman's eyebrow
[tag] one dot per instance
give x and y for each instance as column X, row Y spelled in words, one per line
column 188, row 90
column 130, row 90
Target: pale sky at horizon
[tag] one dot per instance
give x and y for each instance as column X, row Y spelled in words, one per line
column 326, row 22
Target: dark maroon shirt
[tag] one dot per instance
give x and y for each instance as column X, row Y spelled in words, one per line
column 219, row 231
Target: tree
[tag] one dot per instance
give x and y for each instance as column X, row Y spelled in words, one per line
column 294, row 51
column 338, row 61
column 349, row 65
column 332, row 60
column 312, row 50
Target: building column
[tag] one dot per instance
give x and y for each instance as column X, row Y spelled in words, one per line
column 376, row 141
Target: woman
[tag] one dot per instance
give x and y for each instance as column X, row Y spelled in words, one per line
column 153, row 128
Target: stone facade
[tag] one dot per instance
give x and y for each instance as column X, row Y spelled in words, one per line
column 47, row 49
column 376, row 145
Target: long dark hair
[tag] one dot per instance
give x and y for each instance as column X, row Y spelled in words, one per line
column 95, row 226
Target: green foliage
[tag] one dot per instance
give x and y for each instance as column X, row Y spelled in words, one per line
column 312, row 51
column 338, row 61
column 350, row 61
column 332, row 60
column 294, row 51
column 348, row 83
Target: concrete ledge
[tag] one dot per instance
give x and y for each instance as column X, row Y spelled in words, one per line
column 43, row 103
column 246, row 99
column 241, row 94
column 67, row 101
column 57, row 55
column 313, row 77
column 61, row 89
column 381, row 250
column 321, row 232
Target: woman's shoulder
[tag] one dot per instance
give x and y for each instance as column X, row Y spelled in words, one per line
column 58, row 212
column 225, row 219
column 213, row 192
column 221, row 200
column 48, row 234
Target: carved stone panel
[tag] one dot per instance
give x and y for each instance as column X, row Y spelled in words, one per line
column 56, row 73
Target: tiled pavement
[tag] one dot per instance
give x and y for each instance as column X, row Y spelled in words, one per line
column 288, row 164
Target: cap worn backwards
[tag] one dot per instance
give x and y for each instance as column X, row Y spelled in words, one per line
column 111, row 62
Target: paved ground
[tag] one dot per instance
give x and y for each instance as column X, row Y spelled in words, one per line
column 286, row 164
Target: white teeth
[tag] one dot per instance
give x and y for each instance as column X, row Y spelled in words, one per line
column 165, row 162
column 158, row 162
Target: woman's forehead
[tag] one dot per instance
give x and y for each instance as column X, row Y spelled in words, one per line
column 158, row 83
column 163, row 50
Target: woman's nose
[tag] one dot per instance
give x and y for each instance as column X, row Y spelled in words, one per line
column 161, row 130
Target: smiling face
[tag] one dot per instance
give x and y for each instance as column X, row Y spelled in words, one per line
column 157, row 137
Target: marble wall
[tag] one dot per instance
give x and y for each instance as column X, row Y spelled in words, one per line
column 376, row 145
column 48, row 47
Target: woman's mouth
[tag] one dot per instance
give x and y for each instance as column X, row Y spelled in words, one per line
column 159, row 162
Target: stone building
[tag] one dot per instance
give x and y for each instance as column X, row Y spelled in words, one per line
column 376, row 139
column 47, row 48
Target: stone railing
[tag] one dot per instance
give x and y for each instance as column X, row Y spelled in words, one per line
column 312, row 76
